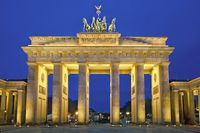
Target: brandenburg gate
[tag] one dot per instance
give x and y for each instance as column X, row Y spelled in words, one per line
column 97, row 53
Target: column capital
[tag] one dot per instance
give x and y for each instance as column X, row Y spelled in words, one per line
column 82, row 63
column 57, row 63
column 115, row 63
column 20, row 90
column 14, row 93
column 139, row 63
column 175, row 91
column 165, row 63
column 114, row 67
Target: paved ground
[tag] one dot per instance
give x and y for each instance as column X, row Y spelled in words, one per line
column 101, row 129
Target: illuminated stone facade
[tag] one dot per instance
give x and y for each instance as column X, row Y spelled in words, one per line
column 97, row 53
column 183, row 101
column 12, row 102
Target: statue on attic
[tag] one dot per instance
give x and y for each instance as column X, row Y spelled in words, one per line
column 86, row 26
column 98, row 24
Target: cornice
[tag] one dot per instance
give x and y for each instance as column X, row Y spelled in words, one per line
column 91, row 37
column 192, row 84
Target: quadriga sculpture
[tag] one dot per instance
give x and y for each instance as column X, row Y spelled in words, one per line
column 112, row 27
column 86, row 26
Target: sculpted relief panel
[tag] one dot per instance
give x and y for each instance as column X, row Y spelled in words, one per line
column 97, row 41
column 93, row 54
column 93, row 39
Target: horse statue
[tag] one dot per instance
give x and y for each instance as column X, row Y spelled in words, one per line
column 112, row 27
column 98, row 24
column 103, row 25
column 86, row 26
column 93, row 25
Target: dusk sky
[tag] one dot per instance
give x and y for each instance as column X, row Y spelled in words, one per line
column 179, row 20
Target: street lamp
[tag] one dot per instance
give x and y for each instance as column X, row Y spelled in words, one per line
column 76, row 113
column 128, row 117
column 127, row 113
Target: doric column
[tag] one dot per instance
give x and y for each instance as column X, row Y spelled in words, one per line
column 156, row 95
column 60, row 94
column 133, row 94
column 9, row 107
column 185, row 107
column 23, row 105
column 176, row 106
column 19, row 107
column 165, row 92
column 3, row 108
column 137, row 94
column 181, row 94
column 114, row 94
column 140, row 95
column 191, row 107
column 32, row 92
column 83, row 94
column 15, row 106
column 36, row 94
column 199, row 104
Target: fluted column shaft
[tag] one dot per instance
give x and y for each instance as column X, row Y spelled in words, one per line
column 140, row 94
column 20, row 107
column 83, row 94
column 15, row 106
column 176, row 107
column 189, row 115
column 137, row 94
column 181, row 107
column 32, row 93
column 3, row 108
column 165, row 93
column 9, row 107
column 114, row 94
column 60, row 94
column 191, row 107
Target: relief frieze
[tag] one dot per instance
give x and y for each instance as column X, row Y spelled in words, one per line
column 155, row 90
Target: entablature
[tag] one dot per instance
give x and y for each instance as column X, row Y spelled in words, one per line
column 185, row 85
column 97, row 39
column 122, row 53
column 12, row 85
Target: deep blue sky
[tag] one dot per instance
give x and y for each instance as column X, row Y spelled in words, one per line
column 177, row 19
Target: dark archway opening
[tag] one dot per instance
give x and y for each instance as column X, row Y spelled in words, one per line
column 125, row 97
column 148, row 97
column 99, row 98
column 73, row 94
column 49, row 95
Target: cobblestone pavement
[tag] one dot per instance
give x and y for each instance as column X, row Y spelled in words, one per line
column 101, row 129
